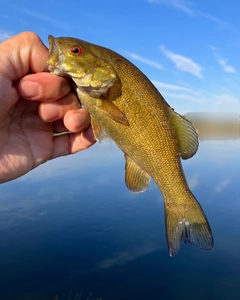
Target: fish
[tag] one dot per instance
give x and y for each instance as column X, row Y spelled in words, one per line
column 125, row 106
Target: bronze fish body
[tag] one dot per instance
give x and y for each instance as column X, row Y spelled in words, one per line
column 125, row 106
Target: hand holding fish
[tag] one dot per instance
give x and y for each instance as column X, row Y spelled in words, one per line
column 26, row 132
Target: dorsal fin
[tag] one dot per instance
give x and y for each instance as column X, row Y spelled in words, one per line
column 186, row 135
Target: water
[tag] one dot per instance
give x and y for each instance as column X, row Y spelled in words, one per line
column 71, row 226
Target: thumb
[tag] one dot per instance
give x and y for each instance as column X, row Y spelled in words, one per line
column 22, row 54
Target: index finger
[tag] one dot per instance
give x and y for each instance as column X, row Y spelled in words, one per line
column 44, row 87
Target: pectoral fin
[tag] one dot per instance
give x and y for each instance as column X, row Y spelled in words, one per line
column 99, row 133
column 137, row 180
column 107, row 107
column 111, row 110
column 186, row 135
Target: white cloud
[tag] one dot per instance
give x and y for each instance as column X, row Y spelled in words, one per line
column 183, row 63
column 184, row 99
column 222, row 185
column 225, row 102
column 222, row 24
column 172, row 87
column 4, row 35
column 223, row 62
column 145, row 61
column 45, row 18
column 193, row 181
column 227, row 68
column 182, row 96
column 187, row 8
column 171, row 91
column 178, row 4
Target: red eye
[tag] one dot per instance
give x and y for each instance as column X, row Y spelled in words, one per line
column 76, row 50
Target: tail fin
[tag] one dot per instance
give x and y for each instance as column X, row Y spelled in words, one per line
column 186, row 222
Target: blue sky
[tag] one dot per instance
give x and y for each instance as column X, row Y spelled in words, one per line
column 189, row 49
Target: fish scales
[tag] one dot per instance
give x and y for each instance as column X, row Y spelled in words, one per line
column 135, row 100
column 126, row 106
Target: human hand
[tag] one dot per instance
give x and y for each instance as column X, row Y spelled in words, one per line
column 30, row 100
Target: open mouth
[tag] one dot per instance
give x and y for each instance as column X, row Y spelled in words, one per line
column 54, row 57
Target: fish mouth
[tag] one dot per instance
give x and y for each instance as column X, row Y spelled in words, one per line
column 54, row 57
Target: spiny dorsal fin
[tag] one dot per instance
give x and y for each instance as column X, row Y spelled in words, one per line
column 186, row 135
column 99, row 133
column 137, row 180
column 111, row 110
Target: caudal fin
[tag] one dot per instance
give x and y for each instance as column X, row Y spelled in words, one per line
column 187, row 223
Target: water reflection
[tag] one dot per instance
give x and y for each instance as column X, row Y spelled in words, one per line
column 71, row 226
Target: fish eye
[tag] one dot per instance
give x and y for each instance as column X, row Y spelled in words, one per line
column 76, row 50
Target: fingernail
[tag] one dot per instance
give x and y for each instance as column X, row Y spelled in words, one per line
column 30, row 89
column 80, row 121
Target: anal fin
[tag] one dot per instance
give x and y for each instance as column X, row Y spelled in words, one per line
column 137, row 180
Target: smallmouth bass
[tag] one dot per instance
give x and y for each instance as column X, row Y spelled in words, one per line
column 125, row 106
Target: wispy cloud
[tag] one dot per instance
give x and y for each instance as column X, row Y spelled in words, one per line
column 193, row 181
column 172, row 87
column 177, row 4
column 180, row 96
column 4, row 35
column 145, row 61
column 183, row 63
column 227, row 68
column 221, row 24
column 188, row 8
column 225, row 102
column 55, row 22
column 222, row 185
column 223, row 62
column 173, row 93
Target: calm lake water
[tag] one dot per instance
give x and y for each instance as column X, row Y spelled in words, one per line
column 71, row 226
